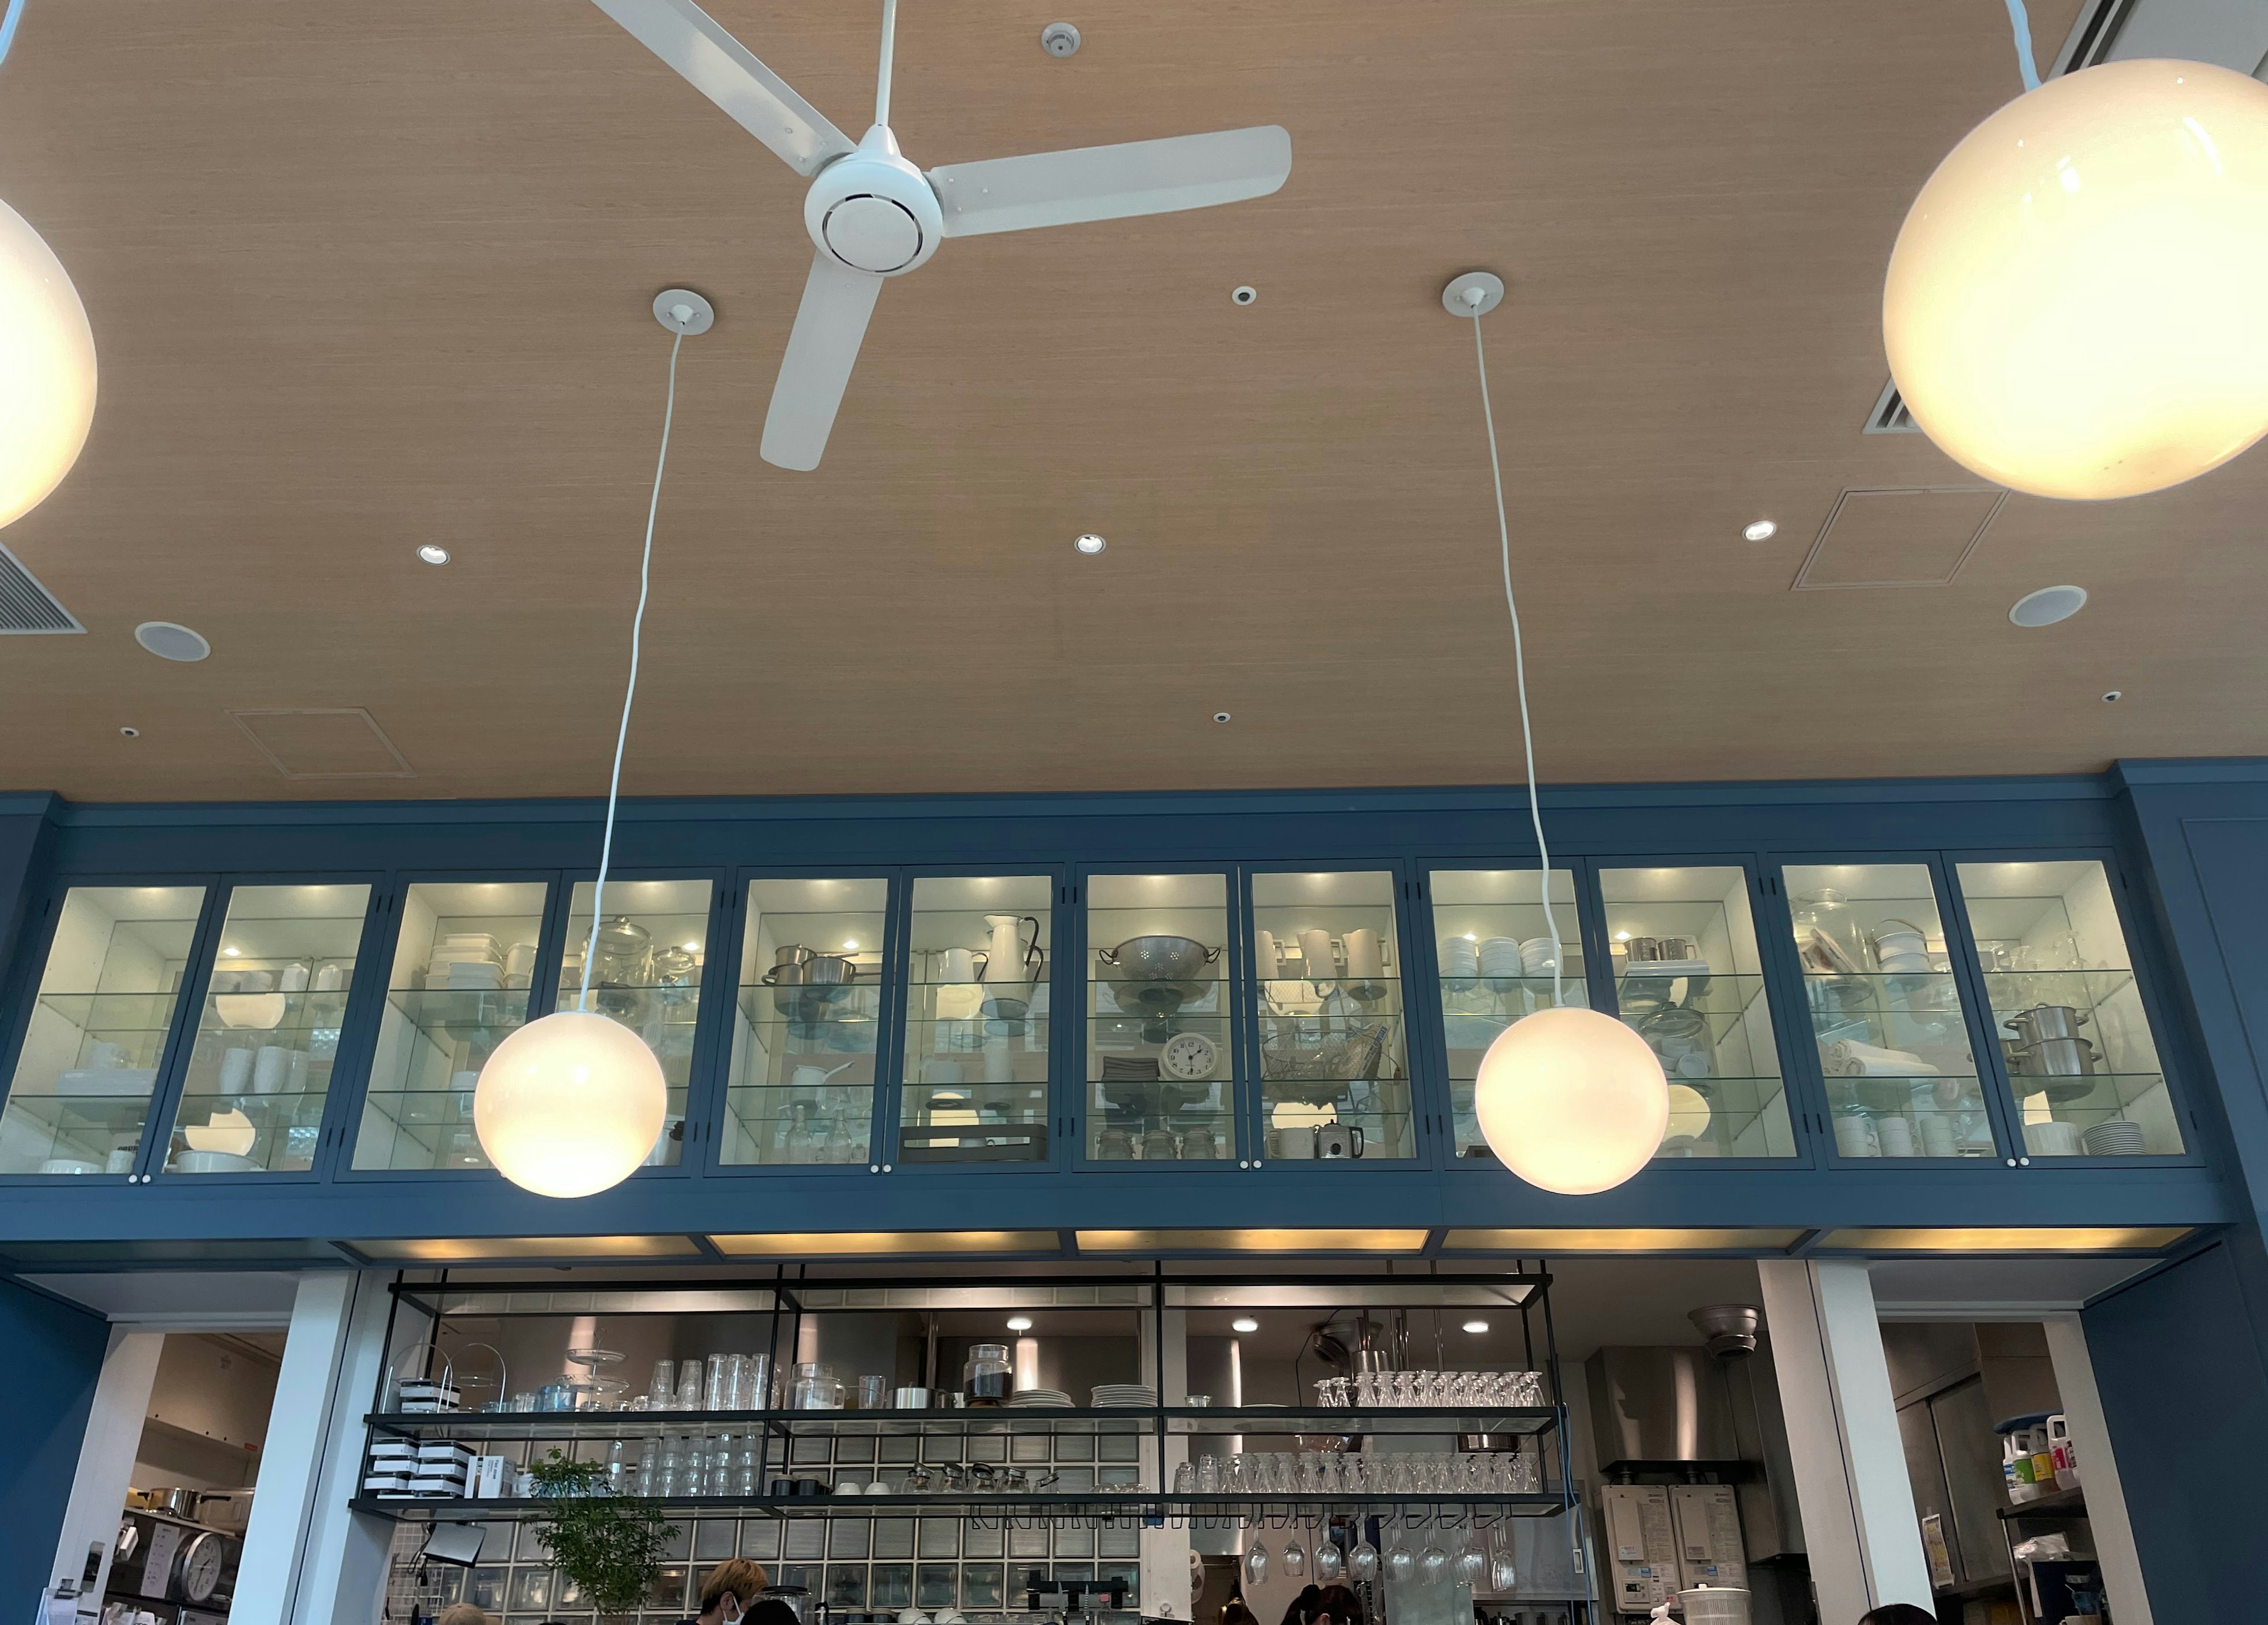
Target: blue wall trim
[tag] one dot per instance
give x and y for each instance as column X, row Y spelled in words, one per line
column 53, row 1358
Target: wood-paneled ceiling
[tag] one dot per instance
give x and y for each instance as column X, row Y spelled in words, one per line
column 365, row 277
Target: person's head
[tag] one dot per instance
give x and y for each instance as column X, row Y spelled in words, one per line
column 1898, row 1613
column 730, row 1590
column 462, row 1613
column 1302, row 1611
column 1338, row 1604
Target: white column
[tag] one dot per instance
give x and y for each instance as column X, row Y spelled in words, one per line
column 1858, row 1522
column 2098, row 1472
column 305, row 1556
column 106, row 1461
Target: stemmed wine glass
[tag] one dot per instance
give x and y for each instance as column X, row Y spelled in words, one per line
column 1255, row 1562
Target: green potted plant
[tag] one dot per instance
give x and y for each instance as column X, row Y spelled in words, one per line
column 609, row 1545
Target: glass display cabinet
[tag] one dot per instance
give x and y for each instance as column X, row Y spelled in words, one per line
column 1160, row 1059
column 259, row 1073
column 980, row 953
column 645, row 962
column 2082, row 1069
column 1902, row 1078
column 96, row 1039
column 463, row 975
column 1687, row 980
column 1493, row 953
column 1327, row 984
column 806, row 1023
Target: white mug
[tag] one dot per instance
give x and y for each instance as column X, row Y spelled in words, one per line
column 1365, row 957
column 235, row 1071
column 1316, row 948
column 1896, row 1135
column 1265, row 954
column 271, row 1069
column 998, row 1068
column 958, row 965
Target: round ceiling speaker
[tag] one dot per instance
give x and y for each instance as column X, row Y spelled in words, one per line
column 170, row 640
column 2048, row 606
column 2074, row 305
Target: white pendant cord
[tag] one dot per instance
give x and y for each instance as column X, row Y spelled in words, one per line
column 889, row 61
column 1519, row 663
column 622, row 735
column 2021, row 20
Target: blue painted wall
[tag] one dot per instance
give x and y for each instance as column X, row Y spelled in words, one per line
column 51, row 1356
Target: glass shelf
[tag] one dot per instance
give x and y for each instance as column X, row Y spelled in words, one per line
column 1099, row 1503
column 79, row 1099
column 1524, row 1421
column 1162, row 1057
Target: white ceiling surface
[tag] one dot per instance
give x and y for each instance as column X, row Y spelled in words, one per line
column 1959, row 1289
column 1640, row 1303
column 182, row 1301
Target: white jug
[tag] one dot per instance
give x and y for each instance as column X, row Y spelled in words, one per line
column 1008, row 963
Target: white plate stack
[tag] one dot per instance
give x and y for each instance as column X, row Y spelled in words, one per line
column 1115, row 1396
column 2120, row 1138
column 465, row 962
column 1027, row 1399
column 392, row 1468
column 442, row 1468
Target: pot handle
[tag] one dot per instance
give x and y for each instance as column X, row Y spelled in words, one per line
column 1212, row 954
column 1354, row 1133
column 1107, row 956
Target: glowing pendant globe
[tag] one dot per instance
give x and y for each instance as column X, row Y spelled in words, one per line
column 1571, row 1101
column 2074, row 305
column 47, row 369
column 570, row 1105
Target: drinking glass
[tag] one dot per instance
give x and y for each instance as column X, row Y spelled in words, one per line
column 873, row 1393
column 688, row 1386
column 1208, row 1475
column 1295, row 1557
column 1362, row 1563
column 1366, row 1390
column 1185, row 1478
column 1329, row 1564
column 1433, row 1564
column 661, row 1392
column 1470, row 1566
column 716, row 1395
column 1400, row 1565
column 1255, row 1562
column 1503, row 1576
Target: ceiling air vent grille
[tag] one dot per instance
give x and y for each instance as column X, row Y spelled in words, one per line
column 27, row 607
column 1890, row 416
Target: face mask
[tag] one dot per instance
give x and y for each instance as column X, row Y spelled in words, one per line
column 735, row 1616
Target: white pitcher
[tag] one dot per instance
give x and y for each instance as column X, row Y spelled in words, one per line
column 1008, row 963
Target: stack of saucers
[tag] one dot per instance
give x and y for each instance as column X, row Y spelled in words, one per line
column 2114, row 1139
column 1111, row 1396
column 1049, row 1397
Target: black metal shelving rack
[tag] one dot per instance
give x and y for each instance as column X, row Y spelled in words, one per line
column 791, row 1298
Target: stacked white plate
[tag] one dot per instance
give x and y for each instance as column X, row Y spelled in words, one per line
column 1046, row 1397
column 2114, row 1140
column 1110, row 1396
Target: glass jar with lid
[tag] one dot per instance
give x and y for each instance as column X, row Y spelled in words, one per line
column 816, row 1388
column 989, row 1378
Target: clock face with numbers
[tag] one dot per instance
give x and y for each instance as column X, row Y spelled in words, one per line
column 202, row 1562
column 1189, row 1056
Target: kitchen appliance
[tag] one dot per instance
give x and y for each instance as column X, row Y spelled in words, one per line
column 1337, row 1142
column 988, row 1378
column 1641, row 1545
column 1657, row 1405
column 1706, row 1519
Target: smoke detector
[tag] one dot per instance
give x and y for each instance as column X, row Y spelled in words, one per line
column 1731, row 1328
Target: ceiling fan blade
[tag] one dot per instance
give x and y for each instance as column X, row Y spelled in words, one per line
column 728, row 72
column 1110, row 183
column 828, row 326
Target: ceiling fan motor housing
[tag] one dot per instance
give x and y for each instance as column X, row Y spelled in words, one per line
column 872, row 211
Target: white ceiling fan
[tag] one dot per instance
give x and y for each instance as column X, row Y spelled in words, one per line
column 873, row 215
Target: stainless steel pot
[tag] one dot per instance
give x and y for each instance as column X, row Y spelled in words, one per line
column 2055, row 1058
column 172, row 1503
column 2044, row 1022
column 1158, row 959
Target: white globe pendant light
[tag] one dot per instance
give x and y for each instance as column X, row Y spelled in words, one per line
column 1568, row 1099
column 1571, row 1101
column 2074, row 307
column 47, row 369
column 570, row 1105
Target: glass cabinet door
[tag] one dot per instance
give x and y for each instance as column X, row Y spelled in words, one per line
column 96, row 1037
column 1160, row 1065
column 1893, row 1046
column 1687, row 981
column 806, row 1025
column 1494, row 955
column 2080, row 1061
column 645, row 974
column 267, row 1034
column 976, row 1020
column 463, row 973
column 1334, row 1056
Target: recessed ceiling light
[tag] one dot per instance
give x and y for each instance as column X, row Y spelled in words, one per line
column 1020, row 1323
column 228, row 953
column 1246, row 294
column 131, row 733
column 850, row 944
column 169, row 640
column 1220, row 716
column 2114, row 696
column 1090, row 543
column 433, row 555
column 1621, row 936
column 693, row 948
column 1760, row 530
column 2048, row 606
column 1475, row 1326
column 1244, row 1323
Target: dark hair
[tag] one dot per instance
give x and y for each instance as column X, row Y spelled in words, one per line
column 1343, row 1606
column 1303, row 1610
column 1898, row 1613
